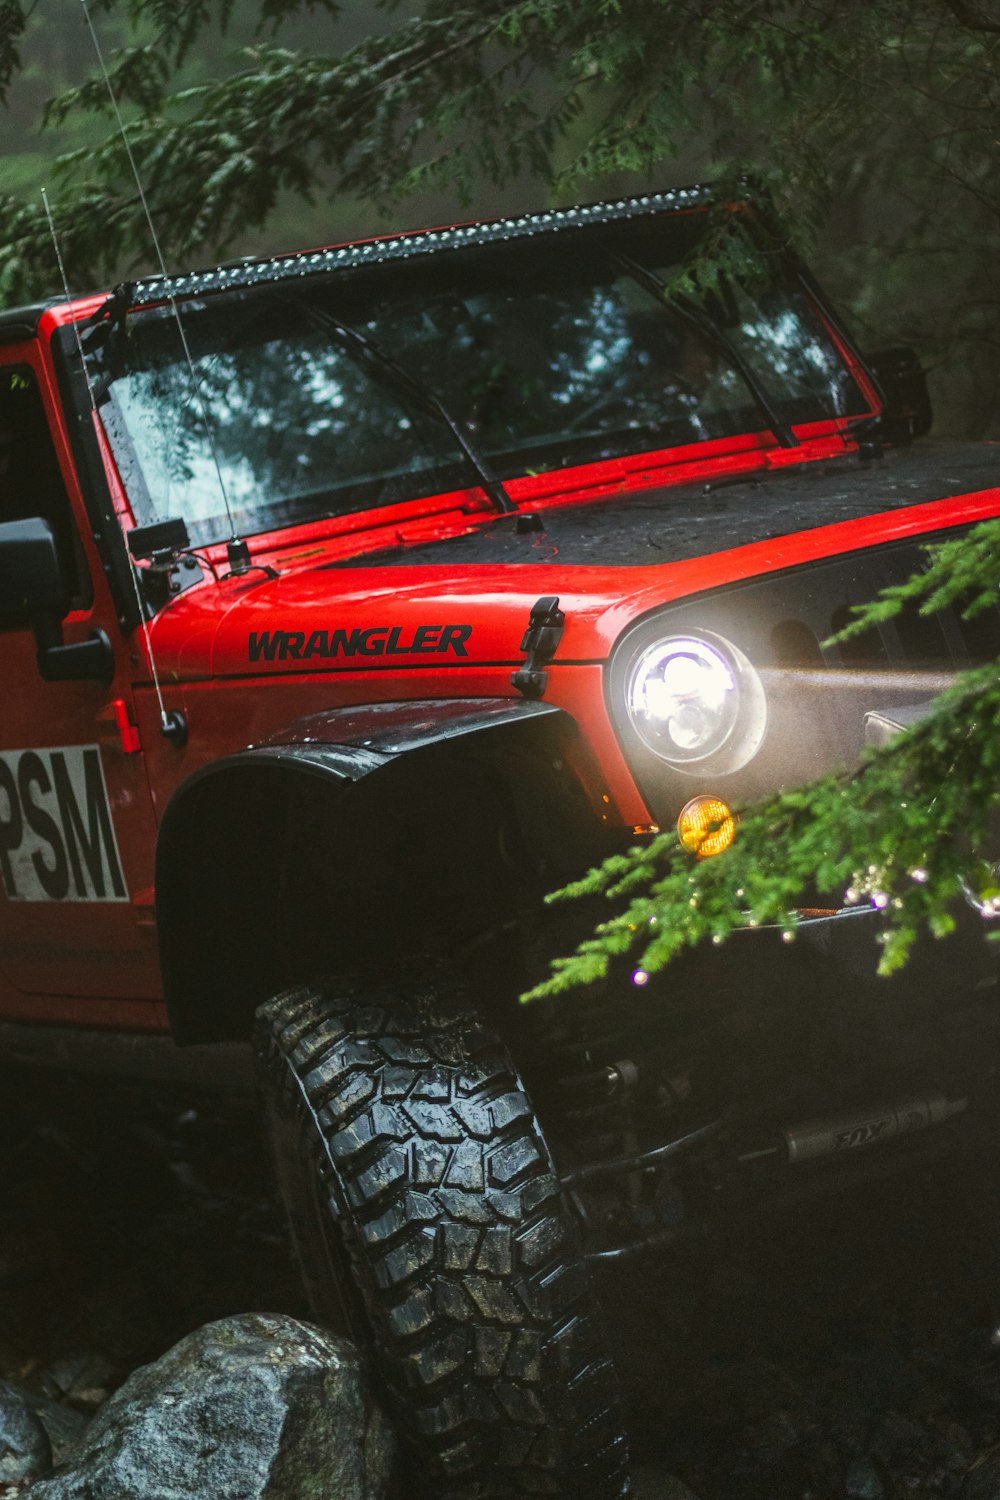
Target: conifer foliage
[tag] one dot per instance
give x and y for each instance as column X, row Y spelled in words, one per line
column 398, row 97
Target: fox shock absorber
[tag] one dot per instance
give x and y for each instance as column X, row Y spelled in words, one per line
column 839, row 1133
column 833, row 1135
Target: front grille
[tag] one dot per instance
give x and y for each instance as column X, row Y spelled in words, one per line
column 942, row 641
column 785, row 619
column 817, row 694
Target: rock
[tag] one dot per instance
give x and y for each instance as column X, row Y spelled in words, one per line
column 865, row 1380
column 897, row 1437
column 25, row 1451
column 83, row 1378
column 652, row 1484
column 862, row 1482
column 747, row 1391
column 63, row 1423
column 256, row 1407
column 776, row 1435
column 983, row 1483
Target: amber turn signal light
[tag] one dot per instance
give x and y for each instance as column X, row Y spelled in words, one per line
column 707, row 825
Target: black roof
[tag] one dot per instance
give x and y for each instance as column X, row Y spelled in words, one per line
column 17, row 323
column 404, row 246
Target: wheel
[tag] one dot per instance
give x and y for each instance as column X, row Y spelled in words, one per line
column 428, row 1222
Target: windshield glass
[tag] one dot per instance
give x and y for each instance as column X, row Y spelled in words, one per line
column 547, row 353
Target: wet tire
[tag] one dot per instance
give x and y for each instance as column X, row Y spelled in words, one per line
column 429, row 1224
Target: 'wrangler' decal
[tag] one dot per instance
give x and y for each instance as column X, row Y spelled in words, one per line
column 376, row 640
column 57, row 840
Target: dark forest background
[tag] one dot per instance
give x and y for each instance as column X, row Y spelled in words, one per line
column 875, row 127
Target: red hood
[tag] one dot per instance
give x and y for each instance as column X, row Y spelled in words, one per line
column 366, row 617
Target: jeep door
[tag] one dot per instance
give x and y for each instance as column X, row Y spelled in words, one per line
column 77, row 941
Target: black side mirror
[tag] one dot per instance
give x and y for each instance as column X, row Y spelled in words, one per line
column 903, row 384
column 31, row 579
column 33, row 586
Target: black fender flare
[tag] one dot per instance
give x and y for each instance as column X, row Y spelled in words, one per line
column 218, row 833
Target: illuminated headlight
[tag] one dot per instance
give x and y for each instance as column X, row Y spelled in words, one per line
column 697, row 702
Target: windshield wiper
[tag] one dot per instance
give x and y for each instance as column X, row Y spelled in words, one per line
column 355, row 341
column 684, row 308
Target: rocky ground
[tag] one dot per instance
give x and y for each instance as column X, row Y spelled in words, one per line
column 841, row 1352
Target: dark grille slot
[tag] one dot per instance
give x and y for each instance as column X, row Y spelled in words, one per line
column 981, row 634
column 921, row 639
column 865, row 650
column 795, row 645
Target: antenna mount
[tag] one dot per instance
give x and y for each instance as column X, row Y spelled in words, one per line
column 238, row 557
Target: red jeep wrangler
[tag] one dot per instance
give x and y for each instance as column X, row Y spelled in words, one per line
column 350, row 601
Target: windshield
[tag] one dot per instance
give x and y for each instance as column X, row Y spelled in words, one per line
column 547, row 354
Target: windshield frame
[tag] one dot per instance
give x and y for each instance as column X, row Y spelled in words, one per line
column 460, row 490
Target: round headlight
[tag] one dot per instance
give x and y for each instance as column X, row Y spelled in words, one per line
column 697, row 702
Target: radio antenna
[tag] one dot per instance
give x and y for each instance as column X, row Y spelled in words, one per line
column 237, row 551
column 170, row 722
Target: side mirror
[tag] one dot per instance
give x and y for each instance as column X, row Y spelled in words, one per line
column 903, row 384
column 33, row 586
column 31, row 578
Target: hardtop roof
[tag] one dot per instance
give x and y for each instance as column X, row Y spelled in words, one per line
column 19, row 323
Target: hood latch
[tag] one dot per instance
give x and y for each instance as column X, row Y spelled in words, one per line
column 541, row 641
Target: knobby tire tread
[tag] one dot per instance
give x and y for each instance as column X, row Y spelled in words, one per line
column 439, row 1184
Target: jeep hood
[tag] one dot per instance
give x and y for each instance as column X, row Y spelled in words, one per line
column 464, row 600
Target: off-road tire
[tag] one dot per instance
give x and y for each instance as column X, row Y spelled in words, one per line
column 407, row 1151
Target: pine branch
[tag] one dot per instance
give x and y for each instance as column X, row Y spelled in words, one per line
column 972, row 17
column 12, row 24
